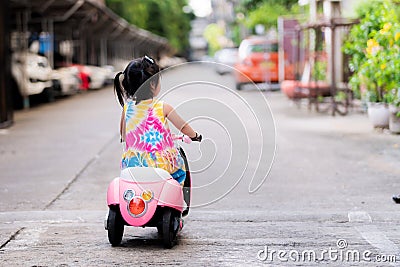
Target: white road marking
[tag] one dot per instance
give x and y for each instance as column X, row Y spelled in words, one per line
column 372, row 234
column 359, row 216
column 376, row 238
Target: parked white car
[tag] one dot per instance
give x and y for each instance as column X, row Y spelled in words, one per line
column 31, row 73
column 98, row 76
column 110, row 73
column 227, row 57
column 66, row 80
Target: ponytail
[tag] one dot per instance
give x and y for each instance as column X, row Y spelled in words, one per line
column 118, row 89
column 137, row 73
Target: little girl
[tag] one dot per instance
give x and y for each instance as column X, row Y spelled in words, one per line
column 143, row 126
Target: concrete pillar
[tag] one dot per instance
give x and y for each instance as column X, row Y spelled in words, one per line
column 333, row 43
column 6, row 111
column 103, row 51
column 313, row 10
column 22, row 19
column 93, row 51
column 312, row 34
column 82, row 50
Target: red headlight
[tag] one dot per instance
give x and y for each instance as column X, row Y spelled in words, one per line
column 136, row 206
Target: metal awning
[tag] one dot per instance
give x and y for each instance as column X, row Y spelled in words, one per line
column 96, row 18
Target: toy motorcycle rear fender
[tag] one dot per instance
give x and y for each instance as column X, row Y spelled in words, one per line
column 172, row 195
column 166, row 193
column 113, row 192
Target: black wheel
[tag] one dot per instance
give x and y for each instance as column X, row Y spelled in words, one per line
column 160, row 228
column 343, row 101
column 342, row 108
column 48, row 95
column 187, row 184
column 239, row 86
column 170, row 227
column 115, row 226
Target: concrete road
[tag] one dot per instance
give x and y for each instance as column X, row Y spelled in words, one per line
column 326, row 200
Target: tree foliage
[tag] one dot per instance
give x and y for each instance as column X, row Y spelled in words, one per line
column 212, row 33
column 266, row 12
column 165, row 18
column 254, row 4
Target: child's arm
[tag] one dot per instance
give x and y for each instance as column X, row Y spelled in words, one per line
column 177, row 121
column 122, row 126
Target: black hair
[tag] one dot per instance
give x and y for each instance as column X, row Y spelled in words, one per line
column 139, row 73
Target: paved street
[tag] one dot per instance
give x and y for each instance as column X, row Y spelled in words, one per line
column 328, row 191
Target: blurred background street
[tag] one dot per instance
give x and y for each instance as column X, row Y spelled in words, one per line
column 332, row 179
column 298, row 105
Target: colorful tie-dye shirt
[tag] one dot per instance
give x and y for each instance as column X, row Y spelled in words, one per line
column 148, row 138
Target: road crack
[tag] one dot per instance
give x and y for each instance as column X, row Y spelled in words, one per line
column 79, row 174
column 12, row 237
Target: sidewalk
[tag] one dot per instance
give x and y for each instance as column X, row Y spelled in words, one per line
column 47, row 147
column 338, row 150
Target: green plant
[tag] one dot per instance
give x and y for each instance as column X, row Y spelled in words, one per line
column 266, row 12
column 319, row 71
column 374, row 49
column 383, row 60
column 213, row 34
column 340, row 96
column 393, row 98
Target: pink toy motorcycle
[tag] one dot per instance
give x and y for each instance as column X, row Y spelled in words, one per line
column 148, row 197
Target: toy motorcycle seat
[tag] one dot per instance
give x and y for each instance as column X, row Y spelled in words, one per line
column 144, row 174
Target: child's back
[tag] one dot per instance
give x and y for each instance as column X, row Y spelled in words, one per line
column 144, row 125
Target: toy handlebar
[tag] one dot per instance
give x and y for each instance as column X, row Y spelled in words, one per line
column 187, row 139
column 184, row 138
